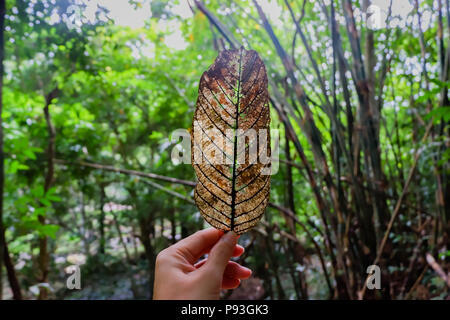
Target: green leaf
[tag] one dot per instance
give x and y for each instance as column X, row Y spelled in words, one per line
column 30, row 154
column 440, row 113
column 48, row 230
column 45, row 202
column 38, row 191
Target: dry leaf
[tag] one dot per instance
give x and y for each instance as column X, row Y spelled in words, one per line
column 231, row 141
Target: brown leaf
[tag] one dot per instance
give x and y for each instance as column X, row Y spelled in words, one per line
column 230, row 156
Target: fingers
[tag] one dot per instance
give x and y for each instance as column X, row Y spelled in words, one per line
column 237, row 252
column 196, row 245
column 221, row 253
column 228, row 283
column 233, row 274
column 234, row 270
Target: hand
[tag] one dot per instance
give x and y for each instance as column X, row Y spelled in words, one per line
column 178, row 275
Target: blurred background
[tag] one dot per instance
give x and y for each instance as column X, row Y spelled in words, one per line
column 93, row 90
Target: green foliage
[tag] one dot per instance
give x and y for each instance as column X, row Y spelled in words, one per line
column 122, row 91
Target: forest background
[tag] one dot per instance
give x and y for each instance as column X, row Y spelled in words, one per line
column 93, row 90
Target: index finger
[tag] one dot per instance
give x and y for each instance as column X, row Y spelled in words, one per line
column 196, row 245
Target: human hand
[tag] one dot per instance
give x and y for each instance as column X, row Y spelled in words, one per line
column 178, row 275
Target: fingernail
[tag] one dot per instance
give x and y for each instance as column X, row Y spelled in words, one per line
column 247, row 269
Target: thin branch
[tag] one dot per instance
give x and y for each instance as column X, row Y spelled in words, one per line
column 171, row 192
column 438, row 269
column 130, row 172
column 398, row 205
column 290, row 214
column 227, row 35
column 179, row 91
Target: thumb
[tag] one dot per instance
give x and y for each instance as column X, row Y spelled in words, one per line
column 221, row 253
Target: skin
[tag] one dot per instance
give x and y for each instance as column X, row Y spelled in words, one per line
column 180, row 276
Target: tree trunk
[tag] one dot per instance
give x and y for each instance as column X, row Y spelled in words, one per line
column 173, row 224
column 2, row 169
column 11, row 272
column 102, row 219
column 149, row 251
column 297, row 249
column 43, row 250
column 4, row 253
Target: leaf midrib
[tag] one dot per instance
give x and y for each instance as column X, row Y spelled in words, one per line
column 236, row 126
